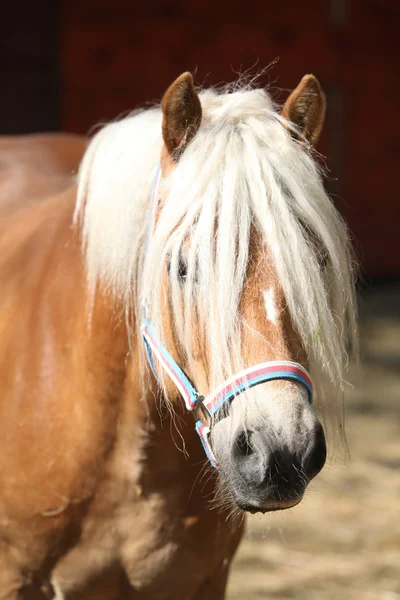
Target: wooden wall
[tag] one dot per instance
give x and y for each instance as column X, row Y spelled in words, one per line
column 118, row 54
column 115, row 55
column 29, row 66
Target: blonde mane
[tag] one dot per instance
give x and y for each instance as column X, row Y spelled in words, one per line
column 242, row 170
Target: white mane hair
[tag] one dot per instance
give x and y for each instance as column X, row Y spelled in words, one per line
column 242, row 170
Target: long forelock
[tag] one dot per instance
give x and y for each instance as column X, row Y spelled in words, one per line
column 242, row 170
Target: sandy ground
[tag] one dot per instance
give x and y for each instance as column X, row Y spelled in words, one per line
column 343, row 540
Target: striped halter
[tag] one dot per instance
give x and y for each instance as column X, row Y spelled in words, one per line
column 208, row 406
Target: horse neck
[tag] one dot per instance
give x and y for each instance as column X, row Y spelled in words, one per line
column 155, row 444
column 110, row 360
column 146, row 428
column 63, row 340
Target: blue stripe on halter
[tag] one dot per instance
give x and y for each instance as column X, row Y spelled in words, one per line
column 149, row 356
column 194, row 396
column 153, row 192
column 205, row 442
column 287, row 375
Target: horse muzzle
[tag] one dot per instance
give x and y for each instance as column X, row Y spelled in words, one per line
column 265, row 470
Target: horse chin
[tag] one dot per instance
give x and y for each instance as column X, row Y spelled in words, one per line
column 268, row 506
column 233, row 499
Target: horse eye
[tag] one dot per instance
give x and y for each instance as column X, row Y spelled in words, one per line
column 322, row 253
column 182, row 270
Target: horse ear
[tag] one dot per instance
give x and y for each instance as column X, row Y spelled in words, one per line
column 181, row 114
column 306, row 107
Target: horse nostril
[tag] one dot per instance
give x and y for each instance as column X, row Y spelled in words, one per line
column 314, row 459
column 243, row 446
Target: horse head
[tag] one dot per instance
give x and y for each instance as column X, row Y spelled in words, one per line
column 243, row 281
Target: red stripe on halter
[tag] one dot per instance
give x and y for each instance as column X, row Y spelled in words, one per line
column 253, row 374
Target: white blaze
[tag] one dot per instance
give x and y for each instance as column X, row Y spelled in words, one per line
column 270, row 306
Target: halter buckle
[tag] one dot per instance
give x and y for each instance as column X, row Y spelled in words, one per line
column 201, row 412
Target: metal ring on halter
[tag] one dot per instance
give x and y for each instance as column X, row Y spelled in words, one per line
column 202, row 409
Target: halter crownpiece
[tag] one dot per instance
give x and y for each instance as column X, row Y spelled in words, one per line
column 229, row 389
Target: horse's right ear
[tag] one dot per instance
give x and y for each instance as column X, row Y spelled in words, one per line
column 181, row 114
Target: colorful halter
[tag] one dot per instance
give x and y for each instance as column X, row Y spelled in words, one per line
column 228, row 390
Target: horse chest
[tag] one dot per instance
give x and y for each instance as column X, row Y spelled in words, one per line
column 165, row 550
column 148, row 521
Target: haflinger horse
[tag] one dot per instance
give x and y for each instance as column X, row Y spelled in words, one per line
column 191, row 290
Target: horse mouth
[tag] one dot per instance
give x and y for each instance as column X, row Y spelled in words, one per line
column 269, row 506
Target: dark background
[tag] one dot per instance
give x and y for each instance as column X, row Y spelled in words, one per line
column 68, row 64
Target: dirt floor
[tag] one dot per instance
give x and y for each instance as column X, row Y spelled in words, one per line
column 343, row 540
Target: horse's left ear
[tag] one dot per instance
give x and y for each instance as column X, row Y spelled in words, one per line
column 306, row 107
column 181, row 114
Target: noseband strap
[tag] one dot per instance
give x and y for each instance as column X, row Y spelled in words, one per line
column 232, row 387
column 225, row 393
